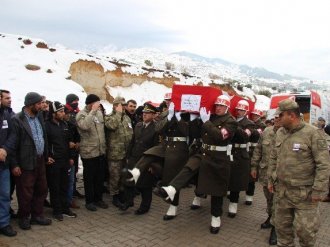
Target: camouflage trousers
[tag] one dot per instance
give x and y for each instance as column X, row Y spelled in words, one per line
column 269, row 200
column 115, row 168
column 295, row 210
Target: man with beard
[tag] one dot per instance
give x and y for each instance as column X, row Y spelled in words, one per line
column 130, row 111
column 28, row 164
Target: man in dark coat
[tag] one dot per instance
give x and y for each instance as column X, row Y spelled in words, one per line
column 59, row 138
column 240, row 170
column 172, row 152
column 213, row 161
column 28, row 164
column 144, row 137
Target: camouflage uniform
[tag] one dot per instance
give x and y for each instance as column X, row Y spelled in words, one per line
column 259, row 162
column 299, row 170
column 119, row 136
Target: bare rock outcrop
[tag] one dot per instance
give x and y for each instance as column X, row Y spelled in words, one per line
column 94, row 79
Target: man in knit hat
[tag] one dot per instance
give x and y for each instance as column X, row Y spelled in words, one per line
column 90, row 124
column 28, row 162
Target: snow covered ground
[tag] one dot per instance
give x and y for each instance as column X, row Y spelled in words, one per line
column 15, row 55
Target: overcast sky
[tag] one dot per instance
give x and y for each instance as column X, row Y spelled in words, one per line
column 285, row 36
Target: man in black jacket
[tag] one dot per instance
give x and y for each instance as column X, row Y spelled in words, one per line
column 59, row 137
column 6, row 145
column 28, row 165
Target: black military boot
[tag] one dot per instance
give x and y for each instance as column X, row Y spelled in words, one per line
column 115, row 201
column 266, row 224
column 272, row 237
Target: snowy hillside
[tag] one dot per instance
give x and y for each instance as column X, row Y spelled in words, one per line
column 52, row 78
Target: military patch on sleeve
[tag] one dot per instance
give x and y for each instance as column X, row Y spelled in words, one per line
column 322, row 144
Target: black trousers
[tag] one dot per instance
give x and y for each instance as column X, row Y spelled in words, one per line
column 216, row 206
column 57, row 179
column 234, row 196
column 251, row 188
column 93, row 178
column 183, row 177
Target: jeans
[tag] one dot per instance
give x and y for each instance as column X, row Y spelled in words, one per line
column 71, row 174
column 4, row 197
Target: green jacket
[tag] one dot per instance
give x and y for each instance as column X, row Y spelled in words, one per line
column 91, row 129
column 119, row 135
column 300, row 158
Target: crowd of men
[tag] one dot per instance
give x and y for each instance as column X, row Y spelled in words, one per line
column 162, row 150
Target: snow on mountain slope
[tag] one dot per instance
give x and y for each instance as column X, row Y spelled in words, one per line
column 14, row 76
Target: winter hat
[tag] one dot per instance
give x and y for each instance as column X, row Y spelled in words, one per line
column 55, row 106
column 91, row 98
column 71, row 97
column 32, row 98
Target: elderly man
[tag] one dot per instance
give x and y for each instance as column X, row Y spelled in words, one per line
column 299, row 173
column 28, row 165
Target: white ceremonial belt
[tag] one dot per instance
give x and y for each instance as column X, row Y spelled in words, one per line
column 241, row 145
column 176, row 139
column 214, row 148
column 254, row 144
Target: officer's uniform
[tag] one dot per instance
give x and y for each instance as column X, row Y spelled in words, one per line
column 240, row 170
column 145, row 137
column 299, row 169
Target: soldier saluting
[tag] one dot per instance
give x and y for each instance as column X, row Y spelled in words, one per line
column 299, row 172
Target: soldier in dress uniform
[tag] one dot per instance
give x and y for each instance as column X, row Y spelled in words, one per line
column 256, row 115
column 240, row 170
column 212, row 162
column 259, row 165
column 298, row 172
column 172, row 152
column 144, row 138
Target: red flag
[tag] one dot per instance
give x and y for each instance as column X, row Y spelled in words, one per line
column 316, row 100
column 277, row 98
column 191, row 98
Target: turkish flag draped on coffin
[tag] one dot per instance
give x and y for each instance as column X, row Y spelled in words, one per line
column 192, row 98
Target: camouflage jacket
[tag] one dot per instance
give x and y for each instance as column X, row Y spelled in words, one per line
column 261, row 153
column 300, row 158
column 119, row 135
column 91, row 129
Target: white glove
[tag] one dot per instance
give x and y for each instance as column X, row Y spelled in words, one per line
column 205, row 116
column 178, row 115
column 170, row 111
column 193, row 116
